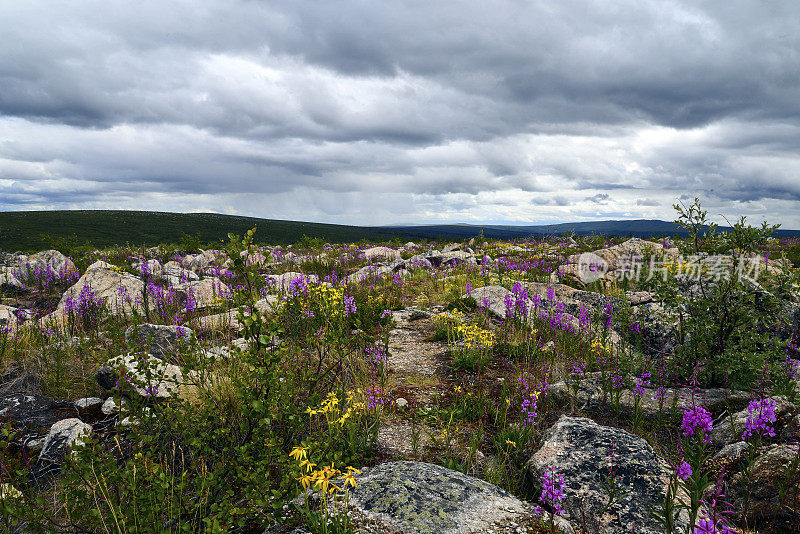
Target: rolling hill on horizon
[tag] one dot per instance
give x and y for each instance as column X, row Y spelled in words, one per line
column 36, row 230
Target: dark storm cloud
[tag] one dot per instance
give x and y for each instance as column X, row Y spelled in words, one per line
column 500, row 104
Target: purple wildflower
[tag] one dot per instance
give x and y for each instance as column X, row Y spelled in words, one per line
column 697, row 419
column 760, row 413
column 684, row 470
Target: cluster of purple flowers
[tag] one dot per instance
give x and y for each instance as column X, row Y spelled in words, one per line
column 298, row 286
column 349, row 305
column 375, row 397
column 608, row 315
column 517, row 302
column 553, row 489
column 760, row 413
column 87, row 308
column 697, row 420
column 709, row 526
column 376, row 355
column 642, row 382
column 684, row 470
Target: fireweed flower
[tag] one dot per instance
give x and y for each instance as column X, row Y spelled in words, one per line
column 553, row 489
column 349, row 305
column 697, row 419
column 760, row 413
column 684, row 470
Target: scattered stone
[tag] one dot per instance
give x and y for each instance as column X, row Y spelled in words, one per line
column 31, row 416
column 89, row 406
column 111, row 406
column 401, row 402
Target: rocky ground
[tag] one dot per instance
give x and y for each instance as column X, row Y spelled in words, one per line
column 586, row 433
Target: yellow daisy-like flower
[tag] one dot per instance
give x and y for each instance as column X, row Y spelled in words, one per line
column 305, row 481
column 299, row 453
column 509, row 442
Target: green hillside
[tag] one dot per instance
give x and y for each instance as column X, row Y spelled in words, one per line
column 35, row 230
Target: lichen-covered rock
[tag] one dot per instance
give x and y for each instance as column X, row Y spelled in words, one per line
column 769, row 472
column 201, row 294
column 8, row 317
column 160, row 340
column 580, row 450
column 43, row 264
column 421, row 498
column 174, row 274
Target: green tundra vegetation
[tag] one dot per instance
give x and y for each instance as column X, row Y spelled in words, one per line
column 247, row 387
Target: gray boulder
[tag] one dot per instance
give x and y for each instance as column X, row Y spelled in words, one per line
column 579, row 449
column 421, row 498
column 121, row 292
column 160, row 340
column 762, row 492
column 493, row 298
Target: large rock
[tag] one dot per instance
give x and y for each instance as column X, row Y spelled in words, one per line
column 381, row 252
column 205, row 259
column 122, row 292
column 174, row 274
column 492, row 298
column 8, row 317
column 580, row 450
column 61, row 438
column 623, row 255
column 762, row 493
column 421, row 498
column 204, row 293
column 42, row 262
column 162, row 341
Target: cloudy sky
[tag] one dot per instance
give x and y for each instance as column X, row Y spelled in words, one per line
column 376, row 112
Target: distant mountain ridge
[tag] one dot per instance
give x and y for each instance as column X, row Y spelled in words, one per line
column 633, row 228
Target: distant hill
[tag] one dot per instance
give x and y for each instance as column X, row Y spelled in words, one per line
column 36, row 230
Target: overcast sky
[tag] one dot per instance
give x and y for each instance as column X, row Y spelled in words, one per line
column 382, row 112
